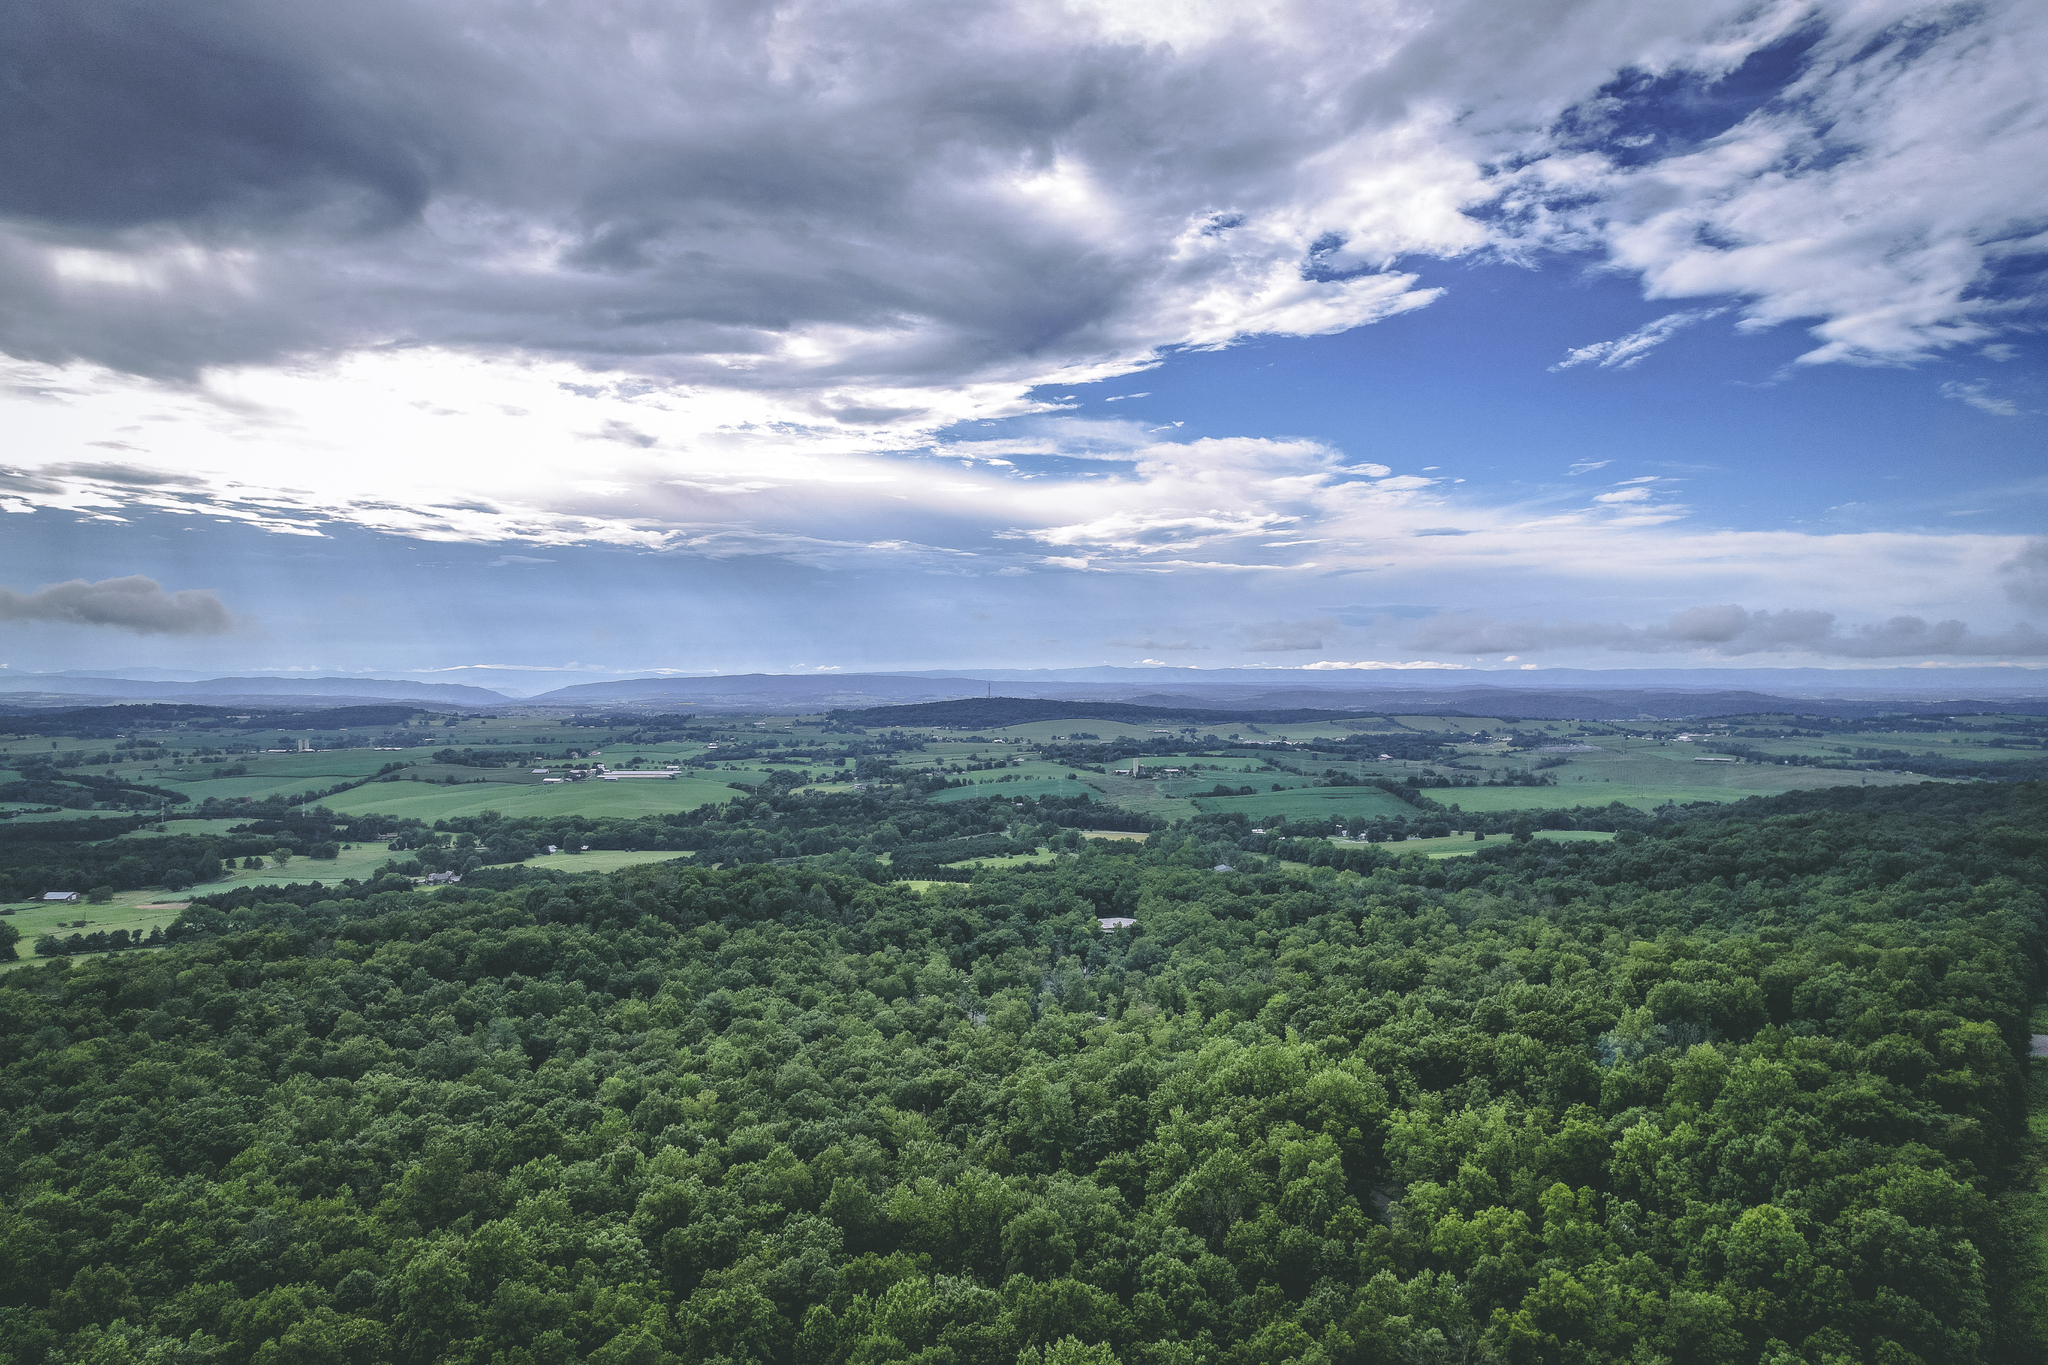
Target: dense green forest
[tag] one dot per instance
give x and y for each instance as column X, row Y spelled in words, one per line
column 1745, row 1085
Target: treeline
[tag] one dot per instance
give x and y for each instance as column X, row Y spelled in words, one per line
column 768, row 823
column 98, row 941
column 107, row 722
column 45, row 784
column 1861, row 759
column 75, row 855
column 1748, row 1090
column 757, row 826
column 992, row 713
column 1367, row 747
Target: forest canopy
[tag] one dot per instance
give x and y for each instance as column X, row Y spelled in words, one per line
column 1744, row 1086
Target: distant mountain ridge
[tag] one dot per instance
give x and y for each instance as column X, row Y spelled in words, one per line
column 1621, row 704
column 1560, row 693
column 243, row 689
column 974, row 713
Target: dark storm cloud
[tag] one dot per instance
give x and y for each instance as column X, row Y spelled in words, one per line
column 124, row 113
column 134, row 604
column 670, row 184
column 920, row 194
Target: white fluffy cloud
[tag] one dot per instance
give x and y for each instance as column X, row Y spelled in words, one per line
column 1878, row 197
column 574, row 462
column 854, row 215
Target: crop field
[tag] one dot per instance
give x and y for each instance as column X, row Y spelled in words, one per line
column 1645, row 773
column 626, row 800
column 602, row 859
column 1312, row 802
column 1016, row 787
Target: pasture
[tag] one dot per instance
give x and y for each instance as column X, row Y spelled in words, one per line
column 1018, row 786
column 629, row 799
column 136, row 911
column 1647, row 773
column 1304, row 802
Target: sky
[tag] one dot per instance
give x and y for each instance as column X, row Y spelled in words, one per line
column 423, row 336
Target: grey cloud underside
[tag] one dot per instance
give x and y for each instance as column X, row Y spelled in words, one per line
column 1733, row 631
column 765, row 201
column 677, row 190
column 2026, row 576
column 135, row 604
column 126, row 114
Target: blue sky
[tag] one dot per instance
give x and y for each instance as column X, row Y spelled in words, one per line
column 1623, row 337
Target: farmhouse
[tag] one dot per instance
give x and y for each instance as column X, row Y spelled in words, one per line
column 60, row 895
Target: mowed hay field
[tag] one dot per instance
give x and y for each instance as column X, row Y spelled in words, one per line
column 1464, row 845
column 1644, row 774
column 598, row 799
column 1311, row 803
column 1017, row 787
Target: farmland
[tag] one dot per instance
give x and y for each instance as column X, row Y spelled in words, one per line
column 1386, row 777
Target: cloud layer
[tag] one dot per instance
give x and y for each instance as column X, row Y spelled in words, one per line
column 135, row 604
column 1731, row 632
column 863, row 209
column 730, row 281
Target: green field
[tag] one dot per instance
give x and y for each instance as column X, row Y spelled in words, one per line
column 596, row 799
column 145, row 909
column 1008, row 860
column 1643, row 773
column 135, row 911
column 360, row 861
column 1464, row 845
column 1310, row 803
column 1017, row 787
column 31, row 816
column 250, row 788
column 603, row 859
